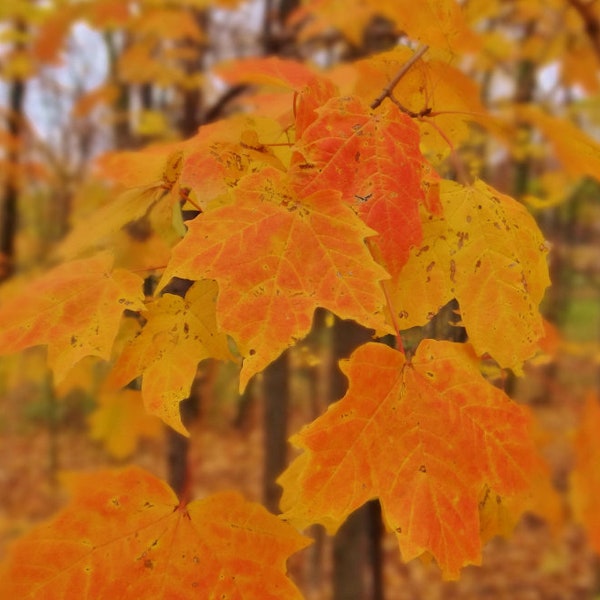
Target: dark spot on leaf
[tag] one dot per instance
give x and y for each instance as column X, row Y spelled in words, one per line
column 398, row 530
column 423, row 469
column 251, row 352
column 148, row 564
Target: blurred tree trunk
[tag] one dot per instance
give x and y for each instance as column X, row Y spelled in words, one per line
column 191, row 92
column 356, row 544
column 15, row 128
column 276, row 397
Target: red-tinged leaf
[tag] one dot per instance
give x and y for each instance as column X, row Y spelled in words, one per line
column 271, row 70
column 373, row 157
column 74, row 308
column 585, row 477
column 276, row 258
column 309, row 100
column 178, row 334
column 124, row 535
column 424, row 437
column 210, row 172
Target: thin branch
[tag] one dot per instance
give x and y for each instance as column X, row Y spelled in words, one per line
column 387, row 91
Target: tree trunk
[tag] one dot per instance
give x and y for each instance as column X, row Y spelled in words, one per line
column 352, row 543
column 9, row 206
column 276, row 401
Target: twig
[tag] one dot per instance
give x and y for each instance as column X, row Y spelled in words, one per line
column 387, row 91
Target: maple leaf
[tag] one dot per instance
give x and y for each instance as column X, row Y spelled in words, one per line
column 488, row 253
column 448, row 99
column 151, row 178
column 119, row 421
column 373, row 158
column 317, row 16
column 438, row 23
column 277, row 258
column 271, row 70
column 578, row 152
column 125, row 535
column 424, row 437
column 75, row 308
column 178, row 334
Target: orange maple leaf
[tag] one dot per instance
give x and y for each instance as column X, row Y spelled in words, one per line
column 125, row 535
column 271, row 70
column 373, row 158
column 277, row 258
column 424, row 437
column 74, row 308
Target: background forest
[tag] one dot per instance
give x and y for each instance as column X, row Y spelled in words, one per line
column 96, row 95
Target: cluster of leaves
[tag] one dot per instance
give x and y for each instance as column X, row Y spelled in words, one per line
column 328, row 193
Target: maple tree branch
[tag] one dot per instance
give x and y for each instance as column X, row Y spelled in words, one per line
column 387, row 91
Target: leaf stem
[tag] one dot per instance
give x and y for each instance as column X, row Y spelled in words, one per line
column 387, row 91
column 399, row 345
